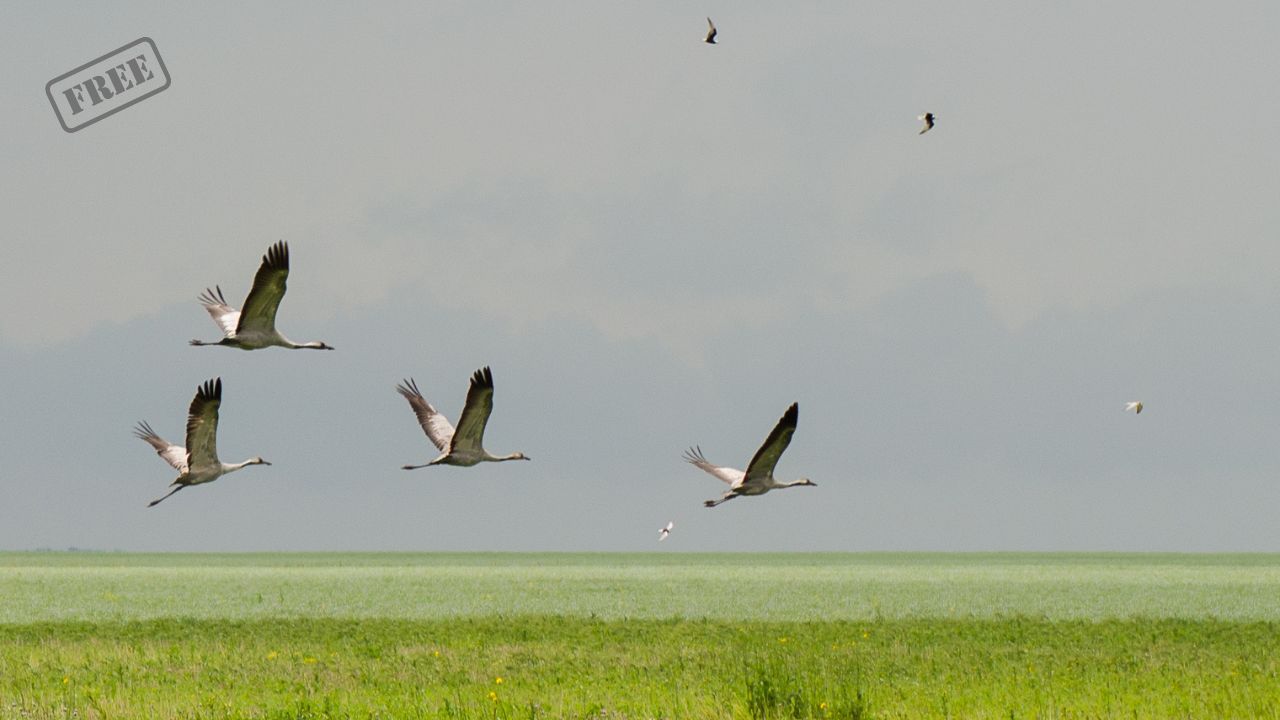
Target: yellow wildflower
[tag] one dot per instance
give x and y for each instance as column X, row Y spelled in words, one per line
column 309, row 660
column 493, row 696
column 66, row 679
column 273, row 655
column 497, row 680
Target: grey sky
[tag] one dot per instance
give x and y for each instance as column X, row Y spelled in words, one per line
column 655, row 243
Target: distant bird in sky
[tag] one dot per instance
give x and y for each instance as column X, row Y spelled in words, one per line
column 928, row 122
column 199, row 464
column 758, row 479
column 1135, row 406
column 711, row 32
column 254, row 327
column 465, row 445
column 665, row 532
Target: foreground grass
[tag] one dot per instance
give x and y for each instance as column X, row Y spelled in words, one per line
column 531, row 666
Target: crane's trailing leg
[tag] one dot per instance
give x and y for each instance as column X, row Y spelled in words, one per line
column 438, row 461
column 713, row 503
column 157, row 501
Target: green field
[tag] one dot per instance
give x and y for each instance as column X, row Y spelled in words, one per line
column 104, row 635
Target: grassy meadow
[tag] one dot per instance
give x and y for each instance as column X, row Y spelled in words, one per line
column 105, row 635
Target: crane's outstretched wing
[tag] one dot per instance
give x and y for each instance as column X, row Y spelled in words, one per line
column 761, row 467
column 175, row 455
column 259, row 313
column 732, row 476
column 435, row 425
column 202, row 424
column 224, row 316
column 475, row 414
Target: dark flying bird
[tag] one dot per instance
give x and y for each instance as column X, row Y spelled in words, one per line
column 254, row 327
column 197, row 463
column 928, row 122
column 758, row 479
column 463, row 446
column 711, row 32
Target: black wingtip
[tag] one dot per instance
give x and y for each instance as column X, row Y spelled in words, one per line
column 210, row 390
column 483, row 377
column 212, row 296
column 277, row 255
column 408, row 388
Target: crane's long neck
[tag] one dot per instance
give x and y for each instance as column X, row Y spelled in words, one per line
column 232, row 467
column 504, row 458
column 313, row 345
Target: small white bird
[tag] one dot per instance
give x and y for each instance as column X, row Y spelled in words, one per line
column 665, row 532
column 1135, row 406
column 928, row 122
column 758, row 479
column 711, row 32
column 199, row 464
column 254, row 327
column 464, row 446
